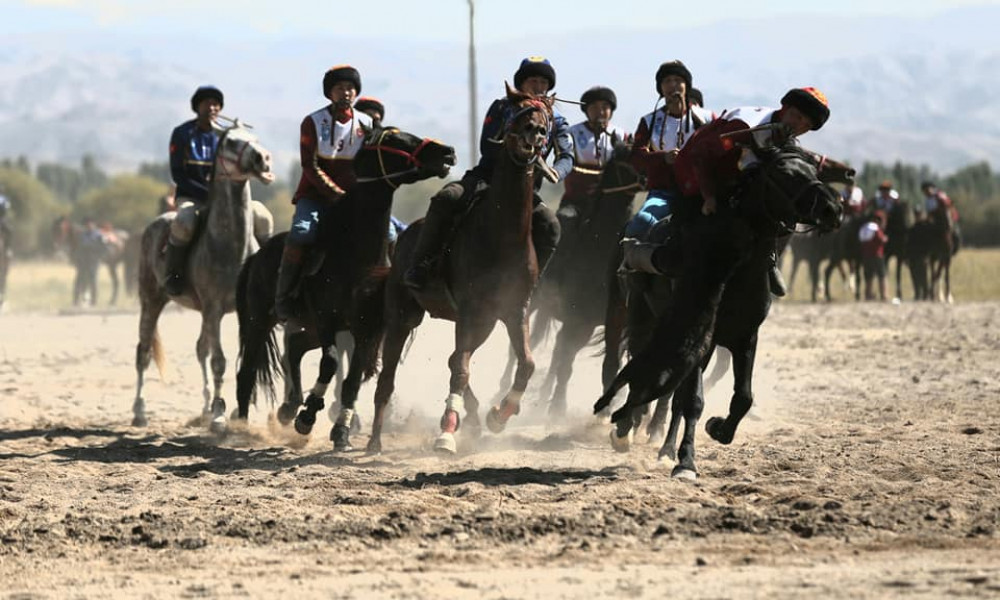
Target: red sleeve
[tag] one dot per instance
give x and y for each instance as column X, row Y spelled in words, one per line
column 643, row 156
column 714, row 156
column 311, row 170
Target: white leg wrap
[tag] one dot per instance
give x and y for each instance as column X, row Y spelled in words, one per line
column 456, row 403
column 345, row 416
column 319, row 390
column 514, row 396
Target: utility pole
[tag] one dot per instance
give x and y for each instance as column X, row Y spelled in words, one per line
column 473, row 116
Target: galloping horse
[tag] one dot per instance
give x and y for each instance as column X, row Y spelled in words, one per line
column 346, row 291
column 88, row 248
column 214, row 262
column 491, row 271
column 721, row 298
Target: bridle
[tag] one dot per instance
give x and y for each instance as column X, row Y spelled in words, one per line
column 411, row 159
column 223, row 160
column 782, row 226
column 532, row 106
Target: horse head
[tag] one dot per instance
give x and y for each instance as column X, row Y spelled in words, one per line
column 241, row 156
column 789, row 192
column 618, row 174
column 397, row 157
column 527, row 129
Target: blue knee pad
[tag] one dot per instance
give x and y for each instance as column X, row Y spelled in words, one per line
column 656, row 207
column 305, row 222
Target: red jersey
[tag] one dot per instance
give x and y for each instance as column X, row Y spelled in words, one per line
column 873, row 240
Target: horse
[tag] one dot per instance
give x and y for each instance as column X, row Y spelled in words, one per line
column 223, row 243
column 344, row 291
column 721, row 297
column 845, row 247
column 812, row 249
column 898, row 223
column 930, row 247
column 490, row 272
column 568, row 291
column 88, row 247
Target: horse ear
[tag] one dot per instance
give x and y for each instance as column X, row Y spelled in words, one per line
column 512, row 94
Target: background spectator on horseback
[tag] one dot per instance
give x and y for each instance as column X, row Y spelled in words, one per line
column 192, row 154
column 372, row 107
column 535, row 76
column 712, row 163
column 853, row 199
column 593, row 146
column 884, row 199
column 696, row 98
column 329, row 139
column 873, row 240
column 940, row 209
column 658, row 138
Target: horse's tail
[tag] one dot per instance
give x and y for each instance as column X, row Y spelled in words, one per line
column 258, row 360
column 159, row 356
column 370, row 322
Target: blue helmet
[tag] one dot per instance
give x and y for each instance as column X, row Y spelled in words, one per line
column 535, row 66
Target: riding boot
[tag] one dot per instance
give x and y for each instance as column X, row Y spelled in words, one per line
column 639, row 255
column 285, row 307
column 176, row 263
column 432, row 238
column 774, row 278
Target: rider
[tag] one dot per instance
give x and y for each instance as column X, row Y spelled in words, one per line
column 534, row 76
column 695, row 98
column 593, row 146
column 711, row 165
column 330, row 138
column 372, row 107
column 4, row 210
column 939, row 207
column 853, row 199
column 885, row 198
column 658, row 138
column 193, row 145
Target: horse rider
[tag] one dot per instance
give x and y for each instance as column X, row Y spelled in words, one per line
column 193, row 145
column 696, row 98
column 534, row 76
column 330, row 138
column 711, row 165
column 885, row 198
column 372, row 107
column 593, row 146
column 940, row 208
column 658, row 138
column 852, row 197
column 4, row 211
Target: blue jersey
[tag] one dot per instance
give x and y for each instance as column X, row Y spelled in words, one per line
column 192, row 154
column 491, row 140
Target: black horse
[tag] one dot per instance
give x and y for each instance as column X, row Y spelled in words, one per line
column 345, row 287
column 721, row 298
column 931, row 244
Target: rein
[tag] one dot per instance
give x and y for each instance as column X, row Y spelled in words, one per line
column 222, row 160
column 411, row 158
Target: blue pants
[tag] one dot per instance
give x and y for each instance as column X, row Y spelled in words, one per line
column 657, row 206
column 305, row 222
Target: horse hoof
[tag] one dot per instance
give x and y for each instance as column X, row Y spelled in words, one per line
column 139, row 421
column 304, row 423
column 684, row 473
column 340, row 435
column 374, row 447
column 218, row 425
column 287, row 413
column 621, row 444
column 493, row 421
column 445, row 443
column 714, row 428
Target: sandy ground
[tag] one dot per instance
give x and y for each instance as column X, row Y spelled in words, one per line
column 869, row 468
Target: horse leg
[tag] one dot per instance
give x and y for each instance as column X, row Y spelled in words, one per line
column 341, row 431
column 392, row 351
column 344, row 342
column 657, row 423
column 149, row 347
column 113, row 271
column 315, row 401
column 723, row 430
column 296, row 346
column 517, row 330
column 947, row 281
column 826, row 280
column 692, row 402
column 470, row 333
column 218, row 362
column 571, row 339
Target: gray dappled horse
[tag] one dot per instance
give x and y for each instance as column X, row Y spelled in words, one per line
column 214, row 260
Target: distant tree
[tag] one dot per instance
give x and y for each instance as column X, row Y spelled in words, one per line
column 160, row 171
column 128, row 201
column 33, row 209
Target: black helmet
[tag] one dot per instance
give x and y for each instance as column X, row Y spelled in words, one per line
column 206, row 91
column 599, row 92
column 674, row 67
column 341, row 73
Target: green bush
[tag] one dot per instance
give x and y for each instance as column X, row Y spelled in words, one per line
column 128, row 202
column 33, row 208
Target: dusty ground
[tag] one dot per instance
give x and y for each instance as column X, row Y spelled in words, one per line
column 870, row 468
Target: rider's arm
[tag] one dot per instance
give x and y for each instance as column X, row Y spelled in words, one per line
column 563, row 146
column 644, row 158
column 311, row 170
column 711, row 150
column 491, row 137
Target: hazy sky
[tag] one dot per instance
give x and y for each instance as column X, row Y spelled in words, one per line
column 431, row 20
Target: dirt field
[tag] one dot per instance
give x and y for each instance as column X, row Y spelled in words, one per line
column 869, row 468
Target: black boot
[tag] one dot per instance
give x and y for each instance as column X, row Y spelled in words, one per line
column 285, row 307
column 774, row 278
column 176, row 263
column 429, row 245
column 638, row 256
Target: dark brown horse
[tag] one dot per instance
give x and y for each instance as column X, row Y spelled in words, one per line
column 721, row 298
column 490, row 273
column 345, row 291
column 929, row 249
column 88, row 247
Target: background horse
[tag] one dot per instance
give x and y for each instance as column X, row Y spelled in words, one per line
column 930, row 247
column 88, row 247
column 344, row 292
column 491, row 271
column 214, row 260
column 721, row 298
column 5, row 260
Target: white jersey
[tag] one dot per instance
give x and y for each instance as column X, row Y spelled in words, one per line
column 753, row 116
column 591, row 152
column 338, row 141
column 667, row 132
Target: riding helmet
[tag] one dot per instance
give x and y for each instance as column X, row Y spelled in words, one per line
column 206, row 91
column 341, row 73
column 596, row 93
column 535, row 66
column 810, row 102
